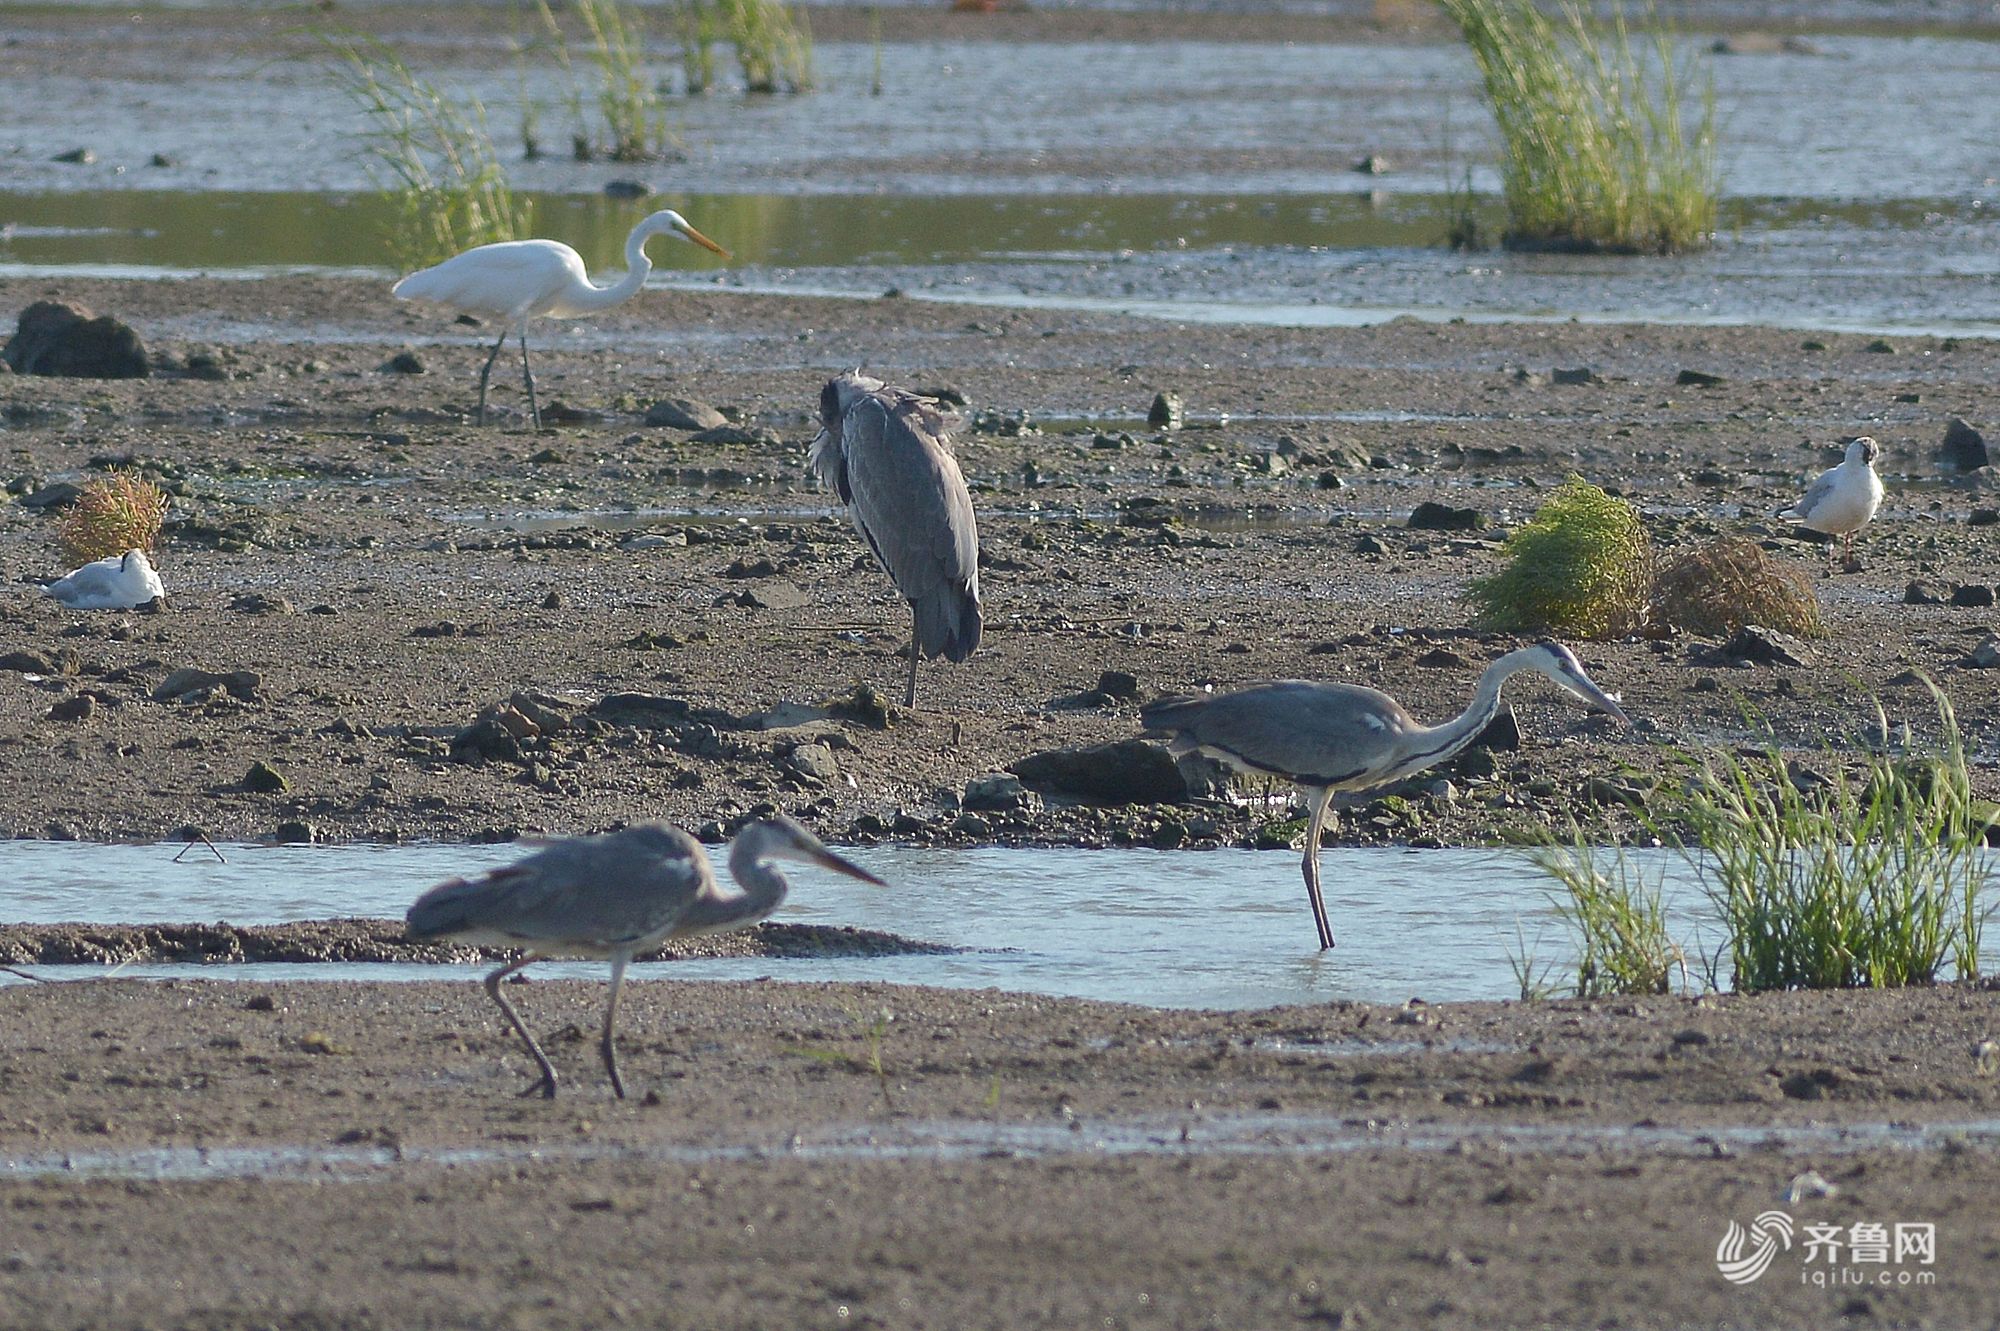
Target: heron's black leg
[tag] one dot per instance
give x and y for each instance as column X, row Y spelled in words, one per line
column 609, row 1049
column 528, row 376
column 910, row 693
column 486, row 373
column 547, row 1085
column 1321, row 801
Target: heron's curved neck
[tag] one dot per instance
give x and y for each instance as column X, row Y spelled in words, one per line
column 637, row 266
column 763, row 892
column 1434, row 744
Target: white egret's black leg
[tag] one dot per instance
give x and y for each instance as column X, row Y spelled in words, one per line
column 528, row 377
column 609, row 1049
column 910, row 693
column 486, row 373
column 1322, row 799
column 547, row 1085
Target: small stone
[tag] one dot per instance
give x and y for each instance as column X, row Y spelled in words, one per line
column 1167, row 412
column 1698, row 379
column 259, row 603
column 1442, row 658
column 1581, row 375
column 60, row 495
column 1983, row 517
column 626, row 189
column 1755, row 643
column 1433, row 516
column 1369, row 545
column 403, row 362
column 265, row 779
column 1000, row 791
column 76, row 157
column 1922, row 591
column 1881, row 346
column 679, row 413
column 1502, row 734
column 777, row 594
column 814, row 761
column 76, row 707
column 1964, row 448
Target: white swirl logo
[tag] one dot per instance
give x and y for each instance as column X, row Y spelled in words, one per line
column 1768, row 1235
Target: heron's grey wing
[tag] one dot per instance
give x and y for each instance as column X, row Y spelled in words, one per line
column 1331, row 735
column 910, row 503
column 1819, row 493
column 587, row 895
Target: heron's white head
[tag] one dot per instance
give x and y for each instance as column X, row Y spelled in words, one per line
column 1864, row 450
column 667, row 222
column 1559, row 663
column 781, row 838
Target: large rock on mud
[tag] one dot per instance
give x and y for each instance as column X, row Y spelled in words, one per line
column 54, row 338
column 1964, row 448
column 1129, row 771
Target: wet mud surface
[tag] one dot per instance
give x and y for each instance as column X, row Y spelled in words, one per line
column 653, row 625
column 351, row 1152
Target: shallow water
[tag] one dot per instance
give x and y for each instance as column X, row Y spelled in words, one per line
column 1199, row 929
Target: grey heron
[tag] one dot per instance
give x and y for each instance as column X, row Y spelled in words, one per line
column 1843, row 498
column 885, row 452
column 516, row 280
column 1334, row 739
column 615, row 895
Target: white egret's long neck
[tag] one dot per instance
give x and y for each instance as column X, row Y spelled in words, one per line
column 637, row 266
column 1434, row 744
column 763, row 892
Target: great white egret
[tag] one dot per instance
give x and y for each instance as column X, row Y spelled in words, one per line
column 517, row 280
column 1842, row 500
column 616, row 896
column 1336, row 738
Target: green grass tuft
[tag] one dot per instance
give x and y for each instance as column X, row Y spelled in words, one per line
column 1581, row 568
column 1615, row 915
column 1870, row 878
column 1598, row 151
column 772, row 41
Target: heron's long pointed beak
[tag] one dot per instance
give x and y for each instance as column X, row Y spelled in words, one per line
column 826, row 859
column 1586, row 688
column 705, row 242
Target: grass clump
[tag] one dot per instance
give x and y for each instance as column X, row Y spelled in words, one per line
column 1582, row 568
column 113, row 514
column 1615, row 915
column 772, row 41
column 1598, row 151
column 628, row 105
column 1719, row 587
column 1873, row 877
column 429, row 155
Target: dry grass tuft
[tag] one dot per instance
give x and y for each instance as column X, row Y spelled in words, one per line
column 115, row 513
column 1719, row 587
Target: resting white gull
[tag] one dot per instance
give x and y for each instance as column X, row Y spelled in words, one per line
column 118, row 582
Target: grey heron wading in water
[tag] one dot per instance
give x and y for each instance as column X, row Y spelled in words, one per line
column 1333, row 739
column 518, row 280
column 616, row 896
column 885, row 452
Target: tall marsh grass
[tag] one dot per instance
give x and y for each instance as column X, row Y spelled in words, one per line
column 1613, row 911
column 429, row 154
column 1874, row 876
column 772, row 42
column 629, row 109
column 1609, row 139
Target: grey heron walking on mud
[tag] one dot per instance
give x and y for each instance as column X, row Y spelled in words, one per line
column 1335, row 739
column 518, row 280
column 616, row 896
column 1842, row 499
column 885, row 452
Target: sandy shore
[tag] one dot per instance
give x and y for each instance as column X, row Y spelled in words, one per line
column 356, row 1155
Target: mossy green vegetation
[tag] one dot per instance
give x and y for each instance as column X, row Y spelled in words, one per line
column 1608, row 139
column 1581, row 568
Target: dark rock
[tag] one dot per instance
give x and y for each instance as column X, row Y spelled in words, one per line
column 1755, row 643
column 76, row 157
column 679, row 413
column 295, row 834
column 1368, row 545
column 1922, row 591
column 996, row 791
column 1443, row 658
column 757, row 436
column 777, row 594
column 626, row 189
column 746, row 567
column 1983, row 517
column 1166, row 413
column 1814, row 1085
column 1502, row 733
column 190, row 682
column 1986, row 656
column 403, row 362
column 258, row 603
column 862, row 704
column 64, row 662
column 815, row 762
column 1433, row 516
column 1374, row 164
column 1579, row 376
column 1972, row 596
column 1964, row 448
column 53, row 338
column 76, row 707
column 205, row 365
column 265, row 779
column 1118, row 684
column 1698, row 379
column 1128, row 771
column 1881, row 346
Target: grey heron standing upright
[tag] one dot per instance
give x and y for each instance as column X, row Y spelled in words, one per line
column 615, row 895
column 884, row 451
column 516, row 280
column 1339, row 738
